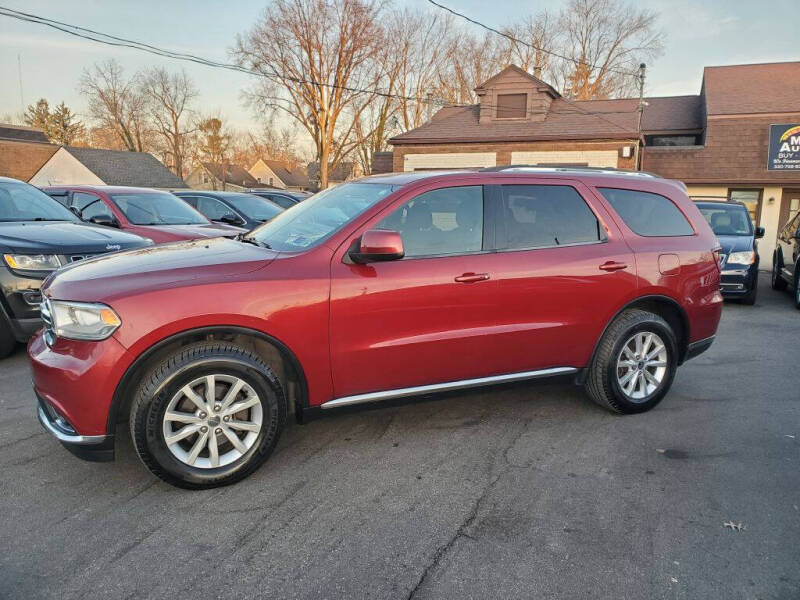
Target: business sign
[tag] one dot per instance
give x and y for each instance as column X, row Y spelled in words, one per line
column 784, row 147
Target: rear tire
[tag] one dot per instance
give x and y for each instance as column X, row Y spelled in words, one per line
column 7, row 340
column 778, row 283
column 627, row 375
column 184, row 419
column 797, row 287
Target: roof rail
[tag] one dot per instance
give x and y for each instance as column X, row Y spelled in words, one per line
column 568, row 169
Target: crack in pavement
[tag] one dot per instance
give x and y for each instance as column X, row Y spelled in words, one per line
column 471, row 516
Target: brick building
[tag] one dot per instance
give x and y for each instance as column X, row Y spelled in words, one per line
column 716, row 141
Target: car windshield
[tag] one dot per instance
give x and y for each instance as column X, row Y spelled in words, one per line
column 22, row 202
column 254, row 207
column 312, row 221
column 157, row 208
column 727, row 219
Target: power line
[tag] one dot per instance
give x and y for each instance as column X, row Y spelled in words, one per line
column 524, row 43
column 111, row 40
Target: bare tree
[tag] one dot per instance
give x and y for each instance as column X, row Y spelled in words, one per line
column 606, row 40
column 117, row 103
column 533, row 38
column 213, row 147
column 419, row 43
column 169, row 96
column 315, row 56
column 470, row 60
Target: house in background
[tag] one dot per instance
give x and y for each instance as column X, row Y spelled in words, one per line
column 95, row 166
column 344, row 171
column 208, row 176
column 520, row 119
column 23, row 151
column 275, row 173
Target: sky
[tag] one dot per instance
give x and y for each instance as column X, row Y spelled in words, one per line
column 698, row 33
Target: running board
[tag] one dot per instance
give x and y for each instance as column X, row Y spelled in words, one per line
column 444, row 387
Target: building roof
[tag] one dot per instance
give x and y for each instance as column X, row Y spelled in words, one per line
column 21, row 159
column 234, row 175
column 22, row 133
column 296, row 177
column 121, row 167
column 749, row 89
column 566, row 120
column 542, row 85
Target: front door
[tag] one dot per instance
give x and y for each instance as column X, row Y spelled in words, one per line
column 427, row 318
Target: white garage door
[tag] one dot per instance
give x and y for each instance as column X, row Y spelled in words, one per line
column 453, row 160
column 591, row 158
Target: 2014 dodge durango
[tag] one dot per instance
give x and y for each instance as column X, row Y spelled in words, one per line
column 387, row 287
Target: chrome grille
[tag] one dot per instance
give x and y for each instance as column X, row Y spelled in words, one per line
column 47, row 318
column 77, row 257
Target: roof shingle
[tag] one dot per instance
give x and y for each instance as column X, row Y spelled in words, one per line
column 748, row 89
column 121, row 167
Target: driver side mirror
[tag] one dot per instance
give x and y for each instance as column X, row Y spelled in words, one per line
column 105, row 220
column 378, row 245
column 231, row 219
column 759, row 232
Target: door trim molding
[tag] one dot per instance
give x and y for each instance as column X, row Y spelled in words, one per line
column 443, row 387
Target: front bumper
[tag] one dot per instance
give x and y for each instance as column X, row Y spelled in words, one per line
column 96, row 448
column 738, row 282
column 75, row 383
column 20, row 303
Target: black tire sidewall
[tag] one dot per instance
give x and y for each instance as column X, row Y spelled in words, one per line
column 151, row 417
column 7, row 340
column 665, row 333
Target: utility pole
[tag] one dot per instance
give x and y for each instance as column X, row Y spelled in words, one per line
column 640, row 77
column 21, row 95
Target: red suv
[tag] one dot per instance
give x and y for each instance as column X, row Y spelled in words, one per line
column 153, row 214
column 388, row 287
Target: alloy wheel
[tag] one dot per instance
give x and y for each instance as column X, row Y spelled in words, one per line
column 641, row 365
column 212, row 421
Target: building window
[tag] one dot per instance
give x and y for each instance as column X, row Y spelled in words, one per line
column 751, row 199
column 512, row 106
column 672, row 140
column 205, row 178
column 271, row 181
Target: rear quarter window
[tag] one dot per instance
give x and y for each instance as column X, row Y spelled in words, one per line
column 646, row 214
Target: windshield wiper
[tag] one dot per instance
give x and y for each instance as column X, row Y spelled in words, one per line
column 242, row 237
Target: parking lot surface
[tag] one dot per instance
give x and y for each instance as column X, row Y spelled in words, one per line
column 528, row 491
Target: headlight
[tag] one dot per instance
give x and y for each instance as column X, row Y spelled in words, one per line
column 742, row 258
column 82, row 320
column 32, row 262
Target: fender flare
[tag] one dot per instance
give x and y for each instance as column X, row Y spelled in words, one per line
column 118, row 399
column 580, row 378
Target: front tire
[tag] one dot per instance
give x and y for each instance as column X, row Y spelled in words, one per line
column 635, row 363
column 750, row 298
column 207, row 416
column 797, row 288
column 7, row 340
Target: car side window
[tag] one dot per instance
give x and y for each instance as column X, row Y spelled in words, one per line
column 89, row 205
column 212, row 208
column 538, row 216
column 791, row 228
column 440, row 222
column 281, row 200
column 646, row 214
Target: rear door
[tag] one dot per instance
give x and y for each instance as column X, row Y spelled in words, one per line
column 563, row 271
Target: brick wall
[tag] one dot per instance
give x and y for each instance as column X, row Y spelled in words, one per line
column 735, row 152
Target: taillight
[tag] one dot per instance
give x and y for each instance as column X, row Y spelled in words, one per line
column 718, row 256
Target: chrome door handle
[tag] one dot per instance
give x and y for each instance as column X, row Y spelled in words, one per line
column 613, row 265
column 472, row 277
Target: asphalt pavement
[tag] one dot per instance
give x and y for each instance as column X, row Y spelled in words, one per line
column 528, row 491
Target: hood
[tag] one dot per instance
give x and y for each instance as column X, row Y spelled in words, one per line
column 735, row 243
column 63, row 237
column 104, row 278
column 189, row 232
